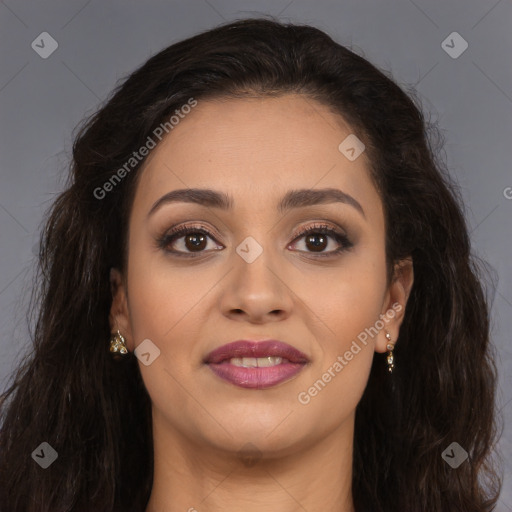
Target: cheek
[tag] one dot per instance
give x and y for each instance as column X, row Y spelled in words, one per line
column 161, row 295
column 348, row 302
column 347, row 298
column 345, row 345
column 162, row 302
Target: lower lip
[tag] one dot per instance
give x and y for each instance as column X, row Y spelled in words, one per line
column 256, row 378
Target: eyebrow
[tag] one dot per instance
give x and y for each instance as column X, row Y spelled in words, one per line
column 298, row 198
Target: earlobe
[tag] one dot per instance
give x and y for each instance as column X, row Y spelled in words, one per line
column 119, row 316
column 394, row 308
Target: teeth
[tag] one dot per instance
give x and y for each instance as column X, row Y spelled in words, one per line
column 256, row 362
column 264, row 362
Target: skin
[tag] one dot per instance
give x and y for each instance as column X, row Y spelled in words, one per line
column 255, row 149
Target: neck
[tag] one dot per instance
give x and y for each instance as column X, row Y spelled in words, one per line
column 193, row 478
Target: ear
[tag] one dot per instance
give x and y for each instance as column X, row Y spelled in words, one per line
column 395, row 301
column 119, row 317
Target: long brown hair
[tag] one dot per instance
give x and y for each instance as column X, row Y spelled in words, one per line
column 95, row 412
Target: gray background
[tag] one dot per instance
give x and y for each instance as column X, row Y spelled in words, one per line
column 42, row 100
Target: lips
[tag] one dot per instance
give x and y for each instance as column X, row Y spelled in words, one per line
column 257, row 365
column 245, row 348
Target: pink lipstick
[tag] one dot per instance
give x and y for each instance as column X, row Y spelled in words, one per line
column 256, row 364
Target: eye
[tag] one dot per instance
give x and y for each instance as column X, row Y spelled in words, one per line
column 316, row 239
column 187, row 240
column 195, row 239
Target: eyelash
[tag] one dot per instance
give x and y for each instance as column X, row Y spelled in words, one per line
column 324, row 229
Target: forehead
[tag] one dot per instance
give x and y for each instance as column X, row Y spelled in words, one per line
column 255, row 149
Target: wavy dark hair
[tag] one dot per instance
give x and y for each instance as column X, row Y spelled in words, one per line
column 95, row 411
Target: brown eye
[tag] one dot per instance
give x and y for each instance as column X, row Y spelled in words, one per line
column 195, row 241
column 316, row 240
column 185, row 240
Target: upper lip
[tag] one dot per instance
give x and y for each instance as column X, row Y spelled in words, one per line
column 248, row 348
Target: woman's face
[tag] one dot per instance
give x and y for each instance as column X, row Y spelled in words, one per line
column 253, row 276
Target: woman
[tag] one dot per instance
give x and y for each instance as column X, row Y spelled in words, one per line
column 257, row 292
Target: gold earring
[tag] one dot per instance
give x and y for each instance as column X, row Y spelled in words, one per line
column 390, row 346
column 118, row 343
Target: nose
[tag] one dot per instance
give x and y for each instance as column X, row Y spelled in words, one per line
column 257, row 292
